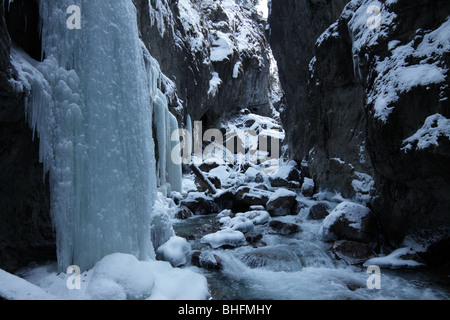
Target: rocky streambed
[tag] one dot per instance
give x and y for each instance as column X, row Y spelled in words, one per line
column 256, row 241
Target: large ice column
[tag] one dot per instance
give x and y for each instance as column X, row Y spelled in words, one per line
column 95, row 125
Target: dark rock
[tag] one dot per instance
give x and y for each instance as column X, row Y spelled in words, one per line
column 318, row 212
column 352, row 252
column 283, row 206
column 208, row 166
column 350, row 221
column 225, row 200
column 200, row 205
column 283, row 228
column 201, row 187
column 253, row 237
column 206, row 260
column 246, row 197
column 184, row 213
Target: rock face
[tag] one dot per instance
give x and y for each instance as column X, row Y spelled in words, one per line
column 216, row 55
column 25, row 230
column 366, row 124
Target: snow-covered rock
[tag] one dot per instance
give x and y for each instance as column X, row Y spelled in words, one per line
column 400, row 258
column 350, row 221
column 226, row 237
column 282, row 202
column 175, row 251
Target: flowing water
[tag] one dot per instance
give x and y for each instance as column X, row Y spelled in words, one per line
column 300, row 267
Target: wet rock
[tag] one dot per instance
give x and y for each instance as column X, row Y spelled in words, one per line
column 352, row 252
column 184, row 213
column 318, row 212
column 199, row 204
column 253, row 237
column 206, row 260
column 277, row 259
column 282, row 203
column 208, row 166
column 283, row 228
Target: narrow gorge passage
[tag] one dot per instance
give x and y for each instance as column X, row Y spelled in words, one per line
column 224, row 150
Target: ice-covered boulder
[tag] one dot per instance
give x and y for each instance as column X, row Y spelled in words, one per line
column 206, row 260
column 225, row 238
column 350, row 221
column 239, row 223
column 175, row 251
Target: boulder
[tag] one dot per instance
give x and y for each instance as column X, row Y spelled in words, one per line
column 283, row 228
column 225, row 238
column 246, row 197
column 206, row 260
column 183, row 213
column 350, row 221
column 352, row 252
column 318, row 212
column 175, row 251
column 200, row 204
column 253, row 238
column 308, row 187
column 283, row 202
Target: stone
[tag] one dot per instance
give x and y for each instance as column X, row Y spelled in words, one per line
column 283, row 228
column 352, row 252
column 206, row 260
column 350, row 221
column 253, row 237
column 184, row 213
column 200, row 204
column 318, row 212
column 285, row 204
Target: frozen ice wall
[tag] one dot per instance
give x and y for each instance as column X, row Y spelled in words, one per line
column 92, row 109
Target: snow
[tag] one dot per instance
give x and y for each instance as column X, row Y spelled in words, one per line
column 115, row 277
column 281, row 193
column 238, row 223
column 352, row 212
column 435, row 126
column 363, row 186
column 15, row 288
column 394, row 260
column 214, row 84
column 175, row 251
column 308, row 184
column 221, row 47
column 226, row 237
column 258, row 217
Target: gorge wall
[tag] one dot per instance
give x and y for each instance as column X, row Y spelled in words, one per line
column 367, row 107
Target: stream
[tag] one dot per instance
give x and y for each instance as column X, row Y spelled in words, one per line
column 300, row 267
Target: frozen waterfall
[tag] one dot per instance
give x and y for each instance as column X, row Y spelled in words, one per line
column 91, row 106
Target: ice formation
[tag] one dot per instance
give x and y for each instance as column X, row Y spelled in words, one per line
column 91, row 105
